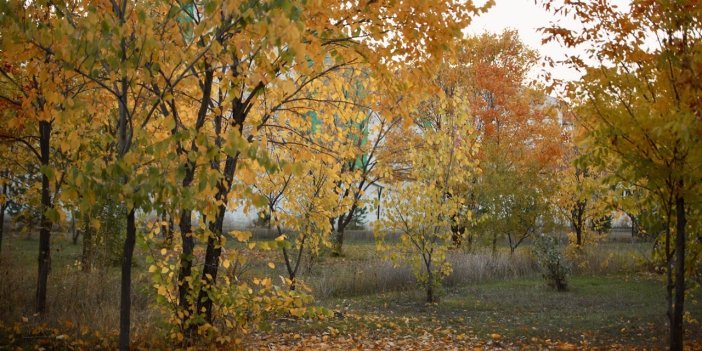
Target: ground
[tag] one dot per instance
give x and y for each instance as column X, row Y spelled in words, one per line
column 619, row 311
column 618, row 308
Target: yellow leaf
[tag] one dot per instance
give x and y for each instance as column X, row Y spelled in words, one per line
column 152, row 268
column 241, row 236
column 271, row 264
column 298, row 312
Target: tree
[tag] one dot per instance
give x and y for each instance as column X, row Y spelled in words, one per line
column 115, row 61
column 520, row 133
column 581, row 196
column 199, row 83
column 421, row 209
column 640, row 96
column 37, row 94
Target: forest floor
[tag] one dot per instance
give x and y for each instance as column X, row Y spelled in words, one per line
column 612, row 310
column 598, row 312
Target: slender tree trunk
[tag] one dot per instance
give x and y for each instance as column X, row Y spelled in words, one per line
column 512, row 247
column 430, row 280
column 669, row 267
column 45, row 230
column 186, row 261
column 677, row 327
column 209, row 271
column 338, row 241
column 126, row 287
column 494, row 244
column 342, row 222
column 88, row 246
column 579, row 232
column 74, row 230
column 123, row 146
column 292, row 270
column 2, row 223
column 3, row 206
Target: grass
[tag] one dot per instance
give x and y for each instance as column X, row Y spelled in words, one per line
column 612, row 299
column 598, row 310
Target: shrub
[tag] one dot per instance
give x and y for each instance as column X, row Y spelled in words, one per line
column 554, row 268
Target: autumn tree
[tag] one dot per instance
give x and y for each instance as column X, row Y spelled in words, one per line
column 520, row 132
column 197, row 83
column 270, row 67
column 40, row 100
column 581, row 196
column 115, row 60
column 422, row 207
column 641, row 107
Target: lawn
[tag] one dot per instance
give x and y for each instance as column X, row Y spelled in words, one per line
column 498, row 302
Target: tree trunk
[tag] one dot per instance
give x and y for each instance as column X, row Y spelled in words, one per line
column 579, row 233
column 494, row 244
column 431, row 298
column 74, row 230
column 337, row 250
column 2, row 223
column 87, row 256
column 123, row 146
column 577, row 220
column 292, row 271
column 186, row 257
column 126, row 287
column 45, row 230
column 676, row 325
column 3, row 206
column 209, row 271
column 186, row 261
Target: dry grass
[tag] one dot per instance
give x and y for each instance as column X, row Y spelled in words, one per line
column 481, row 266
column 364, row 272
column 75, row 299
column 92, row 299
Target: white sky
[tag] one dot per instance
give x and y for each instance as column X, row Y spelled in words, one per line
column 526, row 17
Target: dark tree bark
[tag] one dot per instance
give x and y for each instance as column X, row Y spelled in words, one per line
column 3, row 206
column 186, row 260
column 2, row 224
column 124, row 132
column 45, row 229
column 341, row 223
column 74, row 231
column 676, row 323
column 126, row 286
column 577, row 214
column 293, row 269
column 214, row 241
column 431, row 296
column 185, row 225
column 88, row 253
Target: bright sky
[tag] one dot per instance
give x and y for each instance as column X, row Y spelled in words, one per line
column 526, row 17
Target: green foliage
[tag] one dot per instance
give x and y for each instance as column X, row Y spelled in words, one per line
column 552, row 263
column 245, row 303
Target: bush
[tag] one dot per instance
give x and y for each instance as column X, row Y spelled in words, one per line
column 554, row 268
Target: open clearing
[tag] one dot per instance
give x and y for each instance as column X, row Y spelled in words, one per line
column 614, row 310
